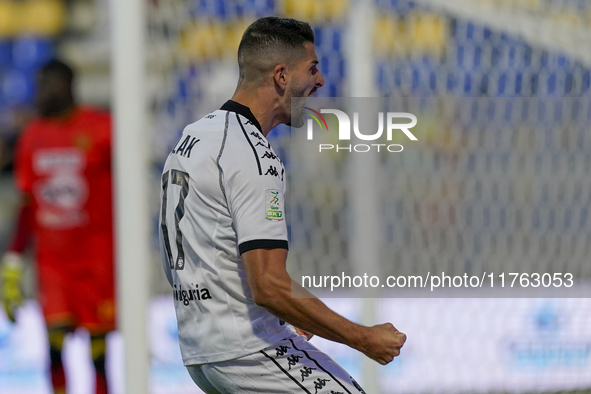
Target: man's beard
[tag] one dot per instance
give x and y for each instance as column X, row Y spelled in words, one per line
column 298, row 99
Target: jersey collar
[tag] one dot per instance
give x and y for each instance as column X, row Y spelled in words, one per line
column 243, row 110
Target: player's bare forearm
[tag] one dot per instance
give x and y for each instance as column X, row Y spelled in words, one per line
column 312, row 315
column 272, row 288
column 275, row 290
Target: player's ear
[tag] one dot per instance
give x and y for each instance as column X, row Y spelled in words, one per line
column 280, row 75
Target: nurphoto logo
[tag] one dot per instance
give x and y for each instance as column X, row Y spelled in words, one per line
column 391, row 119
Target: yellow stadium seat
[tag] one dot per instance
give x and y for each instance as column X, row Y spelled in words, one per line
column 10, row 15
column 203, row 40
column 385, row 33
column 568, row 18
column 419, row 32
column 234, row 32
column 335, row 10
column 315, row 10
column 393, row 36
column 531, row 5
column 43, row 17
column 308, row 10
column 428, row 32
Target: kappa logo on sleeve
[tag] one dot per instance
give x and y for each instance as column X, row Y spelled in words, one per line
column 274, row 205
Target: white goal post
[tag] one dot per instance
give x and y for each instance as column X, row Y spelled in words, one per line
column 360, row 82
column 132, row 216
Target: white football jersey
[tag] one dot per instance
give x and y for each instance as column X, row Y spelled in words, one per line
column 222, row 194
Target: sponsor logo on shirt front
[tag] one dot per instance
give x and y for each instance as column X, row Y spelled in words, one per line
column 274, row 205
column 188, row 295
column 62, row 189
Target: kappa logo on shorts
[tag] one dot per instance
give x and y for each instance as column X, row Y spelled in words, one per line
column 281, row 350
column 274, row 205
column 313, row 377
column 306, row 372
column 293, row 360
column 320, row 383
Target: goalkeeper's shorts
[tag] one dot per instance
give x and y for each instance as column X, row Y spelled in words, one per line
column 292, row 365
column 78, row 297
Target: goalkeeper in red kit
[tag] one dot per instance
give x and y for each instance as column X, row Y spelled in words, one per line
column 63, row 171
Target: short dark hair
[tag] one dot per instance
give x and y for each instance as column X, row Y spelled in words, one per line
column 271, row 39
column 60, row 68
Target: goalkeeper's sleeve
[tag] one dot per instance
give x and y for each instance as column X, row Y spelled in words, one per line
column 24, row 225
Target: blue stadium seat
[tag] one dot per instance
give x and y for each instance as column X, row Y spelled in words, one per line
column 337, row 38
column 451, row 82
column 341, row 68
column 519, row 84
column 222, row 10
column 183, row 90
column 228, row 10
column 5, row 54
column 470, row 31
column 415, row 78
column 586, row 83
column 204, row 8
column 381, row 75
column 257, row 8
column 468, row 85
column 324, row 65
column 318, row 36
column 398, row 6
column 171, row 107
column 552, row 88
column 502, row 84
column 31, row 52
column 433, row 86
column 460, row 55
column 18, row 87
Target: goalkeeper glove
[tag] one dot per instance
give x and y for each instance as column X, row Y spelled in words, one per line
column 11, row 274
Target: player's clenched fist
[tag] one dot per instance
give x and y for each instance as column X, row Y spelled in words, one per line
column 382, row 343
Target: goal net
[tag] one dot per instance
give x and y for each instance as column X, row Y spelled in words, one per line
column 498, row 181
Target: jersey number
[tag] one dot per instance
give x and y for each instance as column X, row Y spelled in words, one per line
column 181, row 179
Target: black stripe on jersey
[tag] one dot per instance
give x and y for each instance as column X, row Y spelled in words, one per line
column 243, row 110
column 217, row 161
column 285, row 372
column 319, row 366
column 256, row 156
column 263, row 244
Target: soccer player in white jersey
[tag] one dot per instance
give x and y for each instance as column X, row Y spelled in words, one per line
column 224, row 237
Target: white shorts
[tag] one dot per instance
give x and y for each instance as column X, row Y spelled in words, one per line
column 292, row 365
